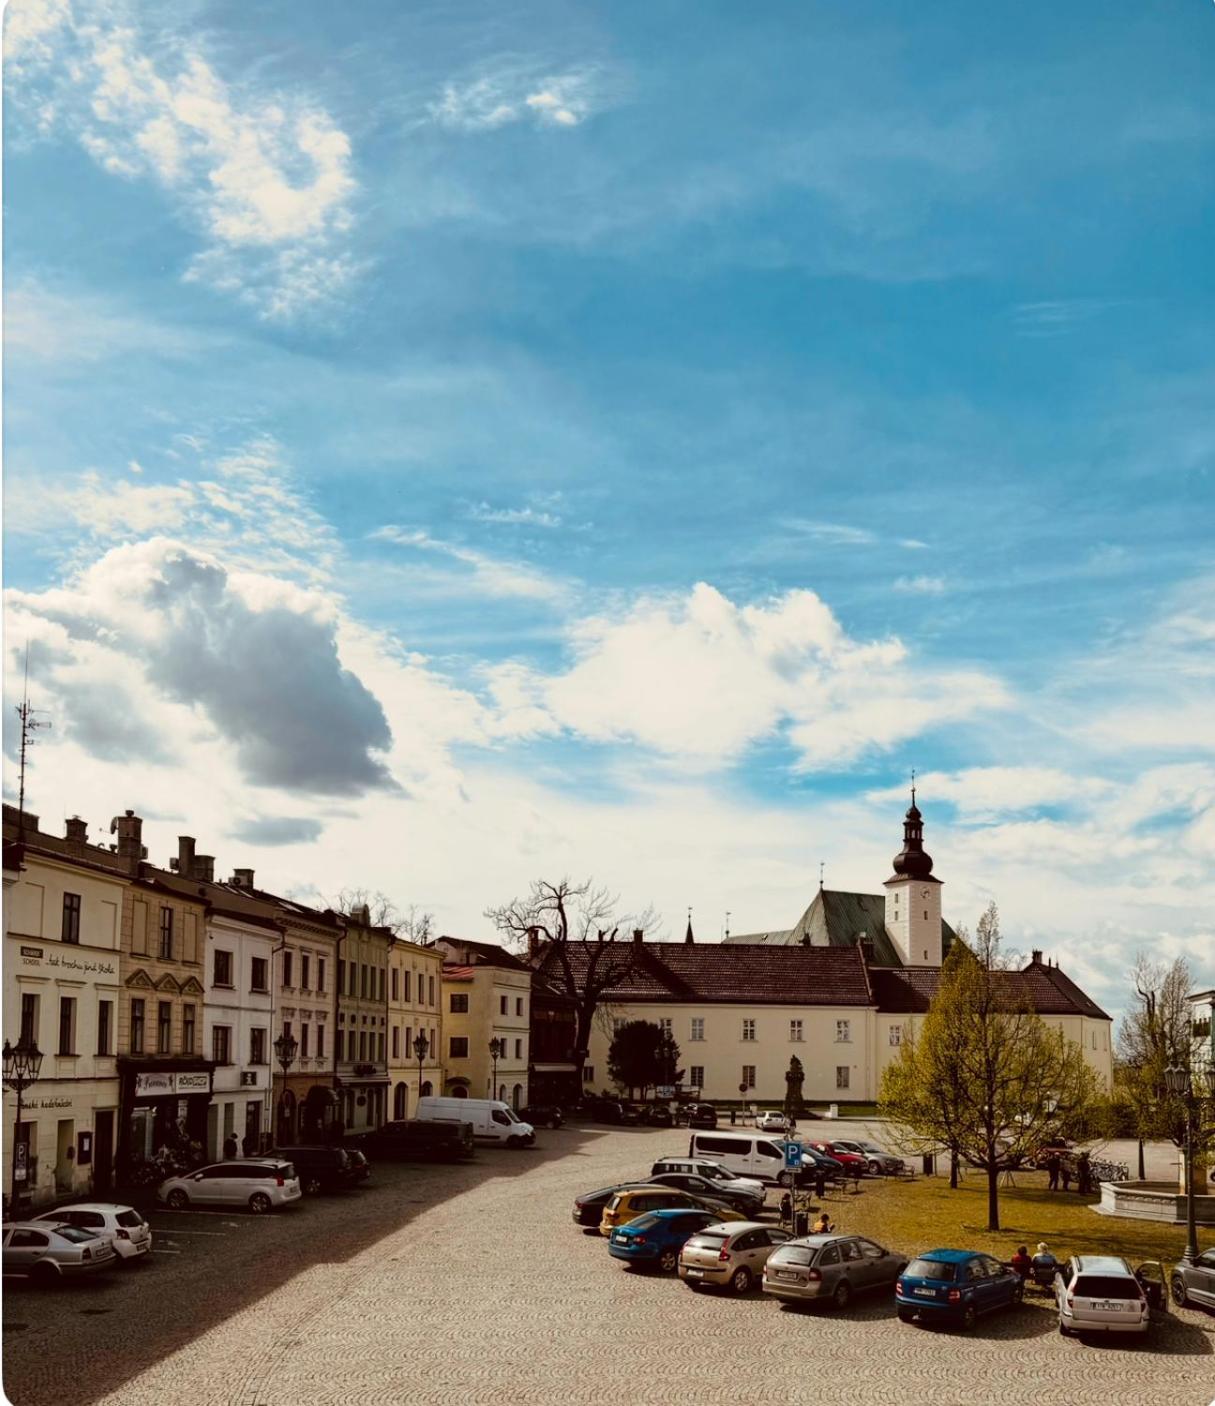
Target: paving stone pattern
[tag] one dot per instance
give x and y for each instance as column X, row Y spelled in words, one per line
column 472, row 1285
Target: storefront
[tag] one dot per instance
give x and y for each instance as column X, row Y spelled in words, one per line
column 363, row 1103
column 163, row 1110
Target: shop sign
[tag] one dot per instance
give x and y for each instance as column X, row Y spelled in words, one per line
column 153, row 1084
column 31, row 951
column 198, row 1082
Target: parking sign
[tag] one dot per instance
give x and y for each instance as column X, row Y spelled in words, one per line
column 793, row 1156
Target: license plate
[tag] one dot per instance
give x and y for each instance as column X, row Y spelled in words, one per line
column 695, row 1273
column 1106, row 1307
column 925, row 1293
column 787, row 1274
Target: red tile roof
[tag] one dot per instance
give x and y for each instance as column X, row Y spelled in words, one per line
column 1046, row 990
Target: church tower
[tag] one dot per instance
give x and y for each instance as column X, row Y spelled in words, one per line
column 913, row 898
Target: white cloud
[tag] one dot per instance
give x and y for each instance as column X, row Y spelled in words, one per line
column 835, row 534
column 511, row 92
column 485, row 574
column 980, row 793
column 524, row 517
column 268, row 178
column 920, row 585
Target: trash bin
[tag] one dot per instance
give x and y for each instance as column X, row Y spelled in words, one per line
column 801, row 1223
column 929, row 1164
column 733, row 1116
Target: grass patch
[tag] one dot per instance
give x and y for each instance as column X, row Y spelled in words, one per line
column 925, row 1214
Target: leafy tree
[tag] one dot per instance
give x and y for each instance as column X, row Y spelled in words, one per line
column 642, row 1054
column 580, row 948
column 985, row 1075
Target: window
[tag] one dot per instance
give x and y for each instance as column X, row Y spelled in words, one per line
column 164, row 1027
column 925, row 914
column 430, row 981
column 305, row 971
column 339, row 1044
column 841, row 1076
column 221, row 1044
column 405, row 984
column 137, row 1026
column 518, row 1049
column 257, row 1045
column 288, row 969
column 501, row 1005
column 67, row 1025
column 320, row 973
column 896, row 1034
column 664, row 1024
column 459, row 1004
column 363, row 981
column 362, row 1044
column 259, row 974
column 396, row 1039
column 166, row 934
column 105, row 1024
column 795, row 1030
column 341, row 976
column 748, row 1030
column 748, row 1075
column 697, row 1075
column 222, row 968
column 380, row 1045
column 698, row 1027
column 396, row 981
column 588, row 1073
column 843, row 1032
column 320, row 1039
column 187, row 1029
column 29, row 1018
column 519, row 1006
column 71, row 918
column 458, row 1047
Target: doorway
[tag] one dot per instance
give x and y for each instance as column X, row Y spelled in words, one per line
column 103, row 1149
column 65, row 1155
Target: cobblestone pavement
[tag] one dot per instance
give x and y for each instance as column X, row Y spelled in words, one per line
column 471, row 1285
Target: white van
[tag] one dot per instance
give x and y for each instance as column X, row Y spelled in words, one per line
column 490, row 1118
column 745, row 1154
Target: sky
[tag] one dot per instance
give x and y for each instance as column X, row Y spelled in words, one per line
column 448, row 445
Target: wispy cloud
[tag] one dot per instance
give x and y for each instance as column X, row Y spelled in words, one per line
column 528, row 516
column 835, row 534
column 1055, row 318
column 487, row 575
column 511, row 92
column 920, row 585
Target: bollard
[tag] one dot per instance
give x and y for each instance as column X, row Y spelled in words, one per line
column 732, row 1117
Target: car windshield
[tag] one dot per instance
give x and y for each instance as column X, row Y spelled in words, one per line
column 931, row 1269
column 1105, row 1286
column 128, row 1219
column 74, row 1234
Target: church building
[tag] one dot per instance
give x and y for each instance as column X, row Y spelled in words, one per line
column 840, row 990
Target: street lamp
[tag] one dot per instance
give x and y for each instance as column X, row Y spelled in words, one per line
column 497, row 1048
column 22, row 1065
column 284, row 1051
column 421, row 1046
column 1179, row 1082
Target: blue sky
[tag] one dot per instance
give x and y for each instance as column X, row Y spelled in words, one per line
column 626, row 439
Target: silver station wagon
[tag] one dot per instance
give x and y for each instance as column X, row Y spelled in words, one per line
column 1100, row 1294
column 830, row 1269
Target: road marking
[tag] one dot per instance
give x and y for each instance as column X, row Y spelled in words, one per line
column 217, row 1234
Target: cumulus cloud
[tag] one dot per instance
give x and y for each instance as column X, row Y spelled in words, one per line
column 512, row 92
column 267, row 178
column 979, row 793
column 278, row 830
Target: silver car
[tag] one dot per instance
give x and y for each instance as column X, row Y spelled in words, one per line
column 830, row 1269
column 260, row 1183
column 1195, row 1283
column 881, row 1163
column 131, row 1234
column 732, row 1254
column 1100, row 1294
column 49, row 1254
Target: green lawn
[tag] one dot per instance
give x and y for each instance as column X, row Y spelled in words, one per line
column 924, row 1214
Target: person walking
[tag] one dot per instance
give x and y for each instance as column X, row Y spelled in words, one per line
column 1052, row 1167
column 1065, row 1171
column 231, row 1147
column 786, row 1209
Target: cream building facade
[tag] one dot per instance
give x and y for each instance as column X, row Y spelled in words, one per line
column 486, row 997
column 361, row 1054
column 415, row 995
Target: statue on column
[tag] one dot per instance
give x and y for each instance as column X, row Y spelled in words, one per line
column 795, row 1076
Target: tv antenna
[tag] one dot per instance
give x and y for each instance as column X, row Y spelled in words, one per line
column 30, row 723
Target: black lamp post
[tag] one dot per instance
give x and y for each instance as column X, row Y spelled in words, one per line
column 1179, row 1082
column 421, row 1047
column 284, row 1051
column 497, row 1048
column 22, row 1065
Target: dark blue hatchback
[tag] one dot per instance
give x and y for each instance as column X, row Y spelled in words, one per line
column 657, row 1238
column 955, row 1286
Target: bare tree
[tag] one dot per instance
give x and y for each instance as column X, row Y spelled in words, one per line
column 384, row 913
column 1154, row 1034
column 583, row 952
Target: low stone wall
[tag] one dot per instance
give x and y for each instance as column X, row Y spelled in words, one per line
column 1152, row 1200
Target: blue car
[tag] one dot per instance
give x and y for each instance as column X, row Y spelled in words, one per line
column 955, row 1286
column 657, row 1238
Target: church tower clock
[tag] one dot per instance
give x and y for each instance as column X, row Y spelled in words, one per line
column 913, row 898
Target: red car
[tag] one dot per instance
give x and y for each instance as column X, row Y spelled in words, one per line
column 853, row 1164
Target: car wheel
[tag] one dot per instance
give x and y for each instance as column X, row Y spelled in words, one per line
column 668, row 1261
column 46, row 1276
column 513, row 1142
column 259, row 1203
column 1018, row 1295
column 1180, row 1297
column 177, row 1199
column 906, row 1315
column 1064, row 1330
column 875, row 1169
column 740, row 1280
column 842, row 1296
column 312, row 1186
column 968, row 1317
column 785, row 1179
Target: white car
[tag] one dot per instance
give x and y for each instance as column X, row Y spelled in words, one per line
column 48, row 1254
column 772, row 1122
column 711, row 1171
column 259, row 1183
column 131, row 1234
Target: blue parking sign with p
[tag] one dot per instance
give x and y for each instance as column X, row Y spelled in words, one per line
column 793, row 1155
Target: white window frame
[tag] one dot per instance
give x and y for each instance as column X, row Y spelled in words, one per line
column 698, row 1028
column 748, row 1076
column 795, row 1032
column 843, row 1032
column 696, row 1075
column 896, row 1035
column 748, row 1030
column 843, row 1076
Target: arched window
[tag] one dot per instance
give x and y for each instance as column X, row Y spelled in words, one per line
column 516, row 1097
column 426, row 1090
column 502, row 1093
column 400, row 1101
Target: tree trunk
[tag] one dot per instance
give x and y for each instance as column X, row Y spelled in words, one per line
column 993, row 1198
column 953, row 1169
column 582, row 1038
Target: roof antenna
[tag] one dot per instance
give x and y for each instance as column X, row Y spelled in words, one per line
column 727, row 922
column 913, row 785
column 821, row 867
column 30, row 723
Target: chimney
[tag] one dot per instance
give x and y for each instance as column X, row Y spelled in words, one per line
column 242, row 878
column 129, row 828
column 868, row 951
column 638, row 936
column 204, row 868
column 533, row 944
column 1036, row 956
column 185, row 856
column 76, row 831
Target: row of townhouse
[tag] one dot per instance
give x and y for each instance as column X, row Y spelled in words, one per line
column 174, row 1013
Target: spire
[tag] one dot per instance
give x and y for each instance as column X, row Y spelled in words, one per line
column 912, row 862
column 688, row 938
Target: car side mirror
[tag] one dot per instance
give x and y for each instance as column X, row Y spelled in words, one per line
column 198, row 1176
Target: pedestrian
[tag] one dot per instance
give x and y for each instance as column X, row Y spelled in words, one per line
column 820, row 1182
column 1065, row 1171
column 823, row 1225
column 1052, row 1166
column 230, row 1145
column 1021, row 1261
column 1084, row 1174
column 786, row 1209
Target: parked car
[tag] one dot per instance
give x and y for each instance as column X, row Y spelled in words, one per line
column 1195, row 1283
column 739, row 1198
column 711, row 1171
column 319, row 1168
column 360, row 1166
column 48, row 1254
column 421, row 1142
column 658, row 1115
column 772, row 1121
column 732, row 1255
column 701, row 1115
column 635, row 1201
column 830, row 1268
column 655, row 1239
column 542, row 1115
column 1100, row 1294
column 259, row 1183
column 955, row 1286
column 747, row 1154
column 814, row 1163
column 491, row 1119
column 609, row 1110
column 852, row 1163
column 880, row 1162
column 588, row 1208
column 131, row 1234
